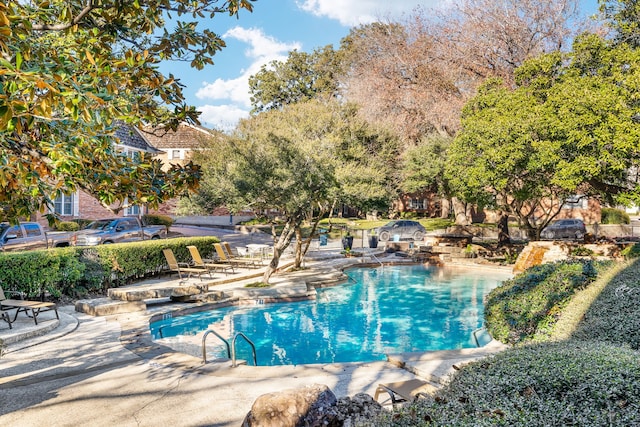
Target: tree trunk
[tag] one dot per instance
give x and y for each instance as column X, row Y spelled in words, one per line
column 445, row 208
column 297, row 263
column 279, row 247
column 460, row 211
column 504, row 238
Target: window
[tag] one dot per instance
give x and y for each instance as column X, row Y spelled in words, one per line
column 575, row 202
column 32, row 230
column 132, row 211
column 63, row 205
column 16, row 231
column 416, row 204
column 175, row 154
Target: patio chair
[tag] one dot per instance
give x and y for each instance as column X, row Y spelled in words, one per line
column 198, row 261
column 248, row 259
column 405, row 391
column 183, row 268
column 4, row 315
column 30, row 308
column 223, row 257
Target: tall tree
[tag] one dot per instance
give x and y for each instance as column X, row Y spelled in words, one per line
column 568, row 128
column 69, row 72
column 623, row 17
column 480, row 39
column 390, row 70
column 300, row 160
column 302, row 77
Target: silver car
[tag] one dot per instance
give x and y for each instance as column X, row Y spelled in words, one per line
column 565, row 229
column 401, row 230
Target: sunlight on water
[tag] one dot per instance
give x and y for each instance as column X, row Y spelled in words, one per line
column 394, row 309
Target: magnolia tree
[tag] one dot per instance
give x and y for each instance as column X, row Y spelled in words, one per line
column 70, row 71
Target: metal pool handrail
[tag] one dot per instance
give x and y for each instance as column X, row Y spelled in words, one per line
column 204, row 347
column 233, row 349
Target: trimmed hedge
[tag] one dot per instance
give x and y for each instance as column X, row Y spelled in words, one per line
column 552, row 384
column 77, row 271
column 587, row 377
column 614, row 315
column 155, row 219
column 527, row 306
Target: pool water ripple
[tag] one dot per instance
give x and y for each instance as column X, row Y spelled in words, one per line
column 394, row 309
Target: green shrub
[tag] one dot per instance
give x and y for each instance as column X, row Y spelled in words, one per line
column 32, row 272
column 613, row 316
column 153, row 219
column 408, row 215
column 580, row 251
column 554, row 384
column 614, row 216
column 632, row 251
column 527, row 306
column 67, row 226
column 76, row 271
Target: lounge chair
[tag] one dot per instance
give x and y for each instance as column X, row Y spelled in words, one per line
column 223, row 257
column 246, row 259
column 405, row 391
column 30, row 308
column 183, row 268
column 200, row 262
column 4, row 315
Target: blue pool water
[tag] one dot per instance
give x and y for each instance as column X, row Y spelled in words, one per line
column 394, row 309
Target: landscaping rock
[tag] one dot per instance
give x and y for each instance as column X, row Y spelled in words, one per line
column 311, row 406
column 291, row 408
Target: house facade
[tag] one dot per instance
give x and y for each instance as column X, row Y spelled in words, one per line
column 81, row 205
column 430, row 205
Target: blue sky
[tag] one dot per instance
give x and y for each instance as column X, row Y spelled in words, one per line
column 275, row 28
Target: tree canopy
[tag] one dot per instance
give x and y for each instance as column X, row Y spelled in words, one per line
column 71, row 72
column 300, row 160
column 568, row 128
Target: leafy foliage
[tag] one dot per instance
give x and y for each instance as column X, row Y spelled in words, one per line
column 631, row 251
column 71, row 74
column 570, row 383
column 613, row 316
column 526, row 307
column 302, row 77
column 567, row 128
column 152, row 219
column 614, row 216
column 76, row 271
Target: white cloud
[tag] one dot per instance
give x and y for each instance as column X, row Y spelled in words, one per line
column 262, row 50
column 221, row 117
column 356, row 12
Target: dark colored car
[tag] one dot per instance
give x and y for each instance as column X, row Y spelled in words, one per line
column 565, row 229
column 403, row 229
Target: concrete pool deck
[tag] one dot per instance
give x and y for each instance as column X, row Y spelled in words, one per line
column 105, row 371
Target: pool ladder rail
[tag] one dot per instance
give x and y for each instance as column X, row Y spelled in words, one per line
column 231, row 348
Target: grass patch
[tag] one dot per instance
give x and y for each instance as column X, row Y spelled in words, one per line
column 257, row 285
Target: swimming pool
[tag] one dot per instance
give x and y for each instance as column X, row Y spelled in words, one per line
column 395, row 309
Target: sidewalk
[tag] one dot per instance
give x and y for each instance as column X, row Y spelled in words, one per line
column 105, row 371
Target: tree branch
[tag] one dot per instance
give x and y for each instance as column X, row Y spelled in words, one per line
column 75, row 21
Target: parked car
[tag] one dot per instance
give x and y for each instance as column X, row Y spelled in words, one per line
column 565, row 229
column 401, row 230
column 118, row 230
column 31, row 235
